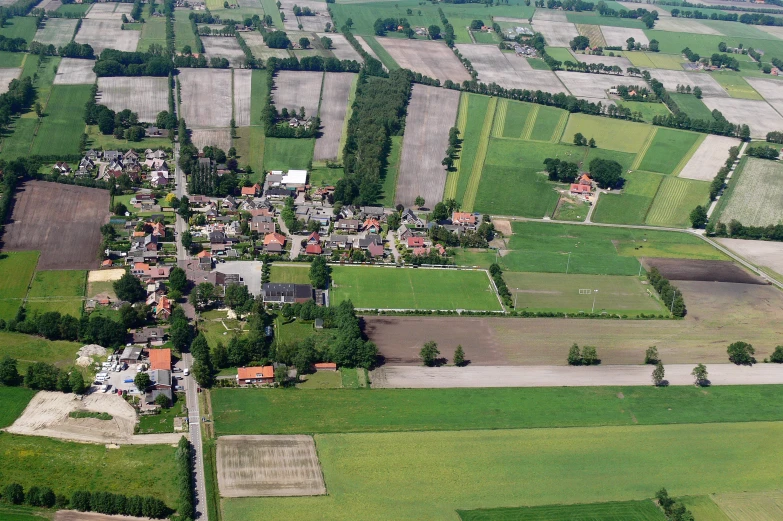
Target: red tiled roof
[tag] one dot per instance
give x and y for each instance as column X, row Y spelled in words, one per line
column 314, row 249
column 246, row 373
column 274, row 237
column 581, row 189
column 160, row 359
column 414, row 242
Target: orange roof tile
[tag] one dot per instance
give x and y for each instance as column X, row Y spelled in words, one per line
column 160, row 359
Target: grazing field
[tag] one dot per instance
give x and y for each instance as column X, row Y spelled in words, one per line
column 20, row 27
column 336, row 90
column 708, row 158
column 755, row 194
column 644, row 510
column 77, row 9
column 183, row 34
column 153, row 32
column 647, row 110
column 206, row 97
column 252, row 466
column 692, row 106
column 66, row 467
column 736, row 85
column 106, row 34
column 675, row 200
column 622, row 463
column 430, row 58
column 28, row 349
column 65, row 229
column 62, row 283
column 557, row 34
column 12, row 59
column 390, row 174
column 581, row 293
column 473, row 142
column 73, row 71
column 387, row 288
column 246, row 411
column 703, row 508
column 16, row 271
column 224, row 47
column 751, row 506
column 56, row 31
column 548, row 125
column 290, row 274
column 432, row 112
column 242, row 97
column 296, row 89
column 146, row 96
column 667, row 150
column 758, row 115
column 285, row 154
column 613, row 134
column 631, row 206
column 62, row 124
column 14, row 400
column 655, row 60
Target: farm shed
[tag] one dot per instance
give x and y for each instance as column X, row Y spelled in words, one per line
column 130, row 355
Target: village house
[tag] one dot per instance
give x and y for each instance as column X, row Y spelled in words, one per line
column 371, row 225
column 251, row 191
column 160, row 359
column 411, row 219
column 151, row 336
column 403, row 232
column 347, row 225
column 255, row 375
column 262, row 224
column 274, row 242
column 467, row 220
column 415, row 242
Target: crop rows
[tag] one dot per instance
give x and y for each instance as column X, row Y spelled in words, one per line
column 531, row 121
column 500, row 118
column 478, row 163
column 644, row 149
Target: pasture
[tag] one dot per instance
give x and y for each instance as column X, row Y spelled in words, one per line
column 285, row 154
column 336, row 91
column 647, row 110
column 442, row 471
column 612, row 134
column 73, row 71
column 106, row 34
column 675, row 200
column 14, row 400
column 28, row 349
column 384, row 288
column 296, row 89
column 16, row 272
column 62, row 283
column 668, row 149
column 252, row 466
column 736, row 85
column 242, row 97
column 62, row 124
column 548, row 125
column 655, row 60
column 153, row 31
column 224, row 47
column 692, row 106
column 432, row 112
column 708, row 158
column 20, row 27
column 758, row 115
column 630, row 206
column 473, row 112
column 581, row 293
column 755, row 193
column 56, row 31
column 206, row 97
column 430, row 58
column 144, row 95
column 183, row 33
column 644, row 510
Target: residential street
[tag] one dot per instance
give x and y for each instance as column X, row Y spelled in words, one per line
column 182, row 189
column 194, row 419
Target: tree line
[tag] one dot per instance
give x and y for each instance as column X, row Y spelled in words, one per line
column 671, row 296
column 123, row 63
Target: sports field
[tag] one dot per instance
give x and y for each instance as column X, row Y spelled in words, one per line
column 644, row 510
column 667, row 150
column 581, row 293
column 440, row 472
column 62, row 125
column 391, row 288
column 290, row 274
column 614, row 134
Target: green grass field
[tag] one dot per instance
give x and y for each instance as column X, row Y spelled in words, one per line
column 632, row 205
column 381, row 53
column 676, row 198
column 290, row 274
column 23, row 513
column 692, row 106
column 389, row 187
column 16, row 271
column 648, row 110
column 477, row 106
column 62, row 125
column 559, row 292
column 64, row 306
column 667, row 149
column 547, row 123
column 163, row 422
column 14, row 400
column 474, row 257
column 624, row 158
column 183, row 34
column 592, row 18
column 294, row 330
column 250, row 149
column 59, row 283
column 655, row 60
column 707, row 44
column 20, row 27
column 78, row 9
column 703, row 508
column 27, row 349
column 516, row 119
column 11, row 59
column 324, row 380
column 428, row 475
column 612, row 134
column 413, row 288
column 736, row 85
column 560, row 53
column 571, row 210
column 285, row 154
column 65, row 467
column 153, row 31
column 644, row 510
column 18, row 144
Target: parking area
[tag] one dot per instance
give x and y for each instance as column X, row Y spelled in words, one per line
column 119, row 376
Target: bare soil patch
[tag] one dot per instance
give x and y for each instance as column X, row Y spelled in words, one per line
column 430, row 58
column 709, row 158
column 56, row 31
column 591, row 86
column 253, row 466
column 224, row 47
column 758, row 115
column 107, row 34
column 557, row 34
column 549, row 15
column 73, row 71
column 73, row 515
column 503, row 226
column 336, row 89
column 49, row 5
column 432, row 111
column 206, row 97
column 212, row 137
column 341, row 47
column 770, row 90
column 492, row 65
column 617, row 36
column 763, row 253
column 144, row 95
column 61, row 221
column 703, row 80
column 103, row 11
column 242, row 90
column 8, row 74
column 773, row 30
column 295, row 89
column 105, row 275
column 703, row 270
column 315, row 23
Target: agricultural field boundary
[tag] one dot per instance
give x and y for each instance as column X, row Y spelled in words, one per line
column 500, row 118
column 530, row 123
column 687, row 157
column 481, row 154
column 640, row 156
column 557, row 135
column 348, row 114
column 462, row 123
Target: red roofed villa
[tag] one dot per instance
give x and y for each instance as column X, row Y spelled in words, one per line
column 415, row 242
column 255, row 375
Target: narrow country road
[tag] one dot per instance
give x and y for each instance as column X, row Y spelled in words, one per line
column 180, row 225
column 194, row 419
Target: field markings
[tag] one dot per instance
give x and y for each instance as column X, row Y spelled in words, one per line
column 500, row 118
column 527, row 131
column 462, row 123
column 481, row 154
column 640, row 156
column 687, row 157
column 560, row 128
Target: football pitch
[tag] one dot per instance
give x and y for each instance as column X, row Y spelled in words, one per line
column 408, row 288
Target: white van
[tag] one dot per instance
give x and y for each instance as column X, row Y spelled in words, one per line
column 187, row 371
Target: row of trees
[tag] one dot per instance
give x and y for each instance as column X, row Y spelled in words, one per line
column 42, row 376
column 671, row 296
column 586, row 356
column 122, row 63
column 497, row 277
column 52, row 325
column 430, row 355
column 764, row 152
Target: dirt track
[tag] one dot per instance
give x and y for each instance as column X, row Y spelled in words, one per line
column 61, row 221
column 559, row 376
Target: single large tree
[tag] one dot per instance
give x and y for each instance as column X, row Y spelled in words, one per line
column 699, row 217
column 178, row 280
column 9, row 374
column 459, row 356
column 741, row 353
column 574, row 355
column 606, row 172
column 429, row 353
column 129, row 288
column 658, row 374
column 651, row 355
column 319, row 273
column 142, row 381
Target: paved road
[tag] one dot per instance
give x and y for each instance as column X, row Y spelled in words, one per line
column 564, row 376
column 296, row 245
column 194, row 418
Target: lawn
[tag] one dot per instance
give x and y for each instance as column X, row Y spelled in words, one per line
column 163, row 422
column 676, row 198
column 631, row 206
column 62, row 125
column 286, row 154
column 474, row 257
column 58, row 283
column 16, row 270
column 14, row 400
column 644, row 510
column 64, row 306
column 270, row 411
column 624, row 158
column 250, row 149
column 548, row 125
column 65, row 467
column 324, row 380
column 692, row 106
column 408, row 288
column 290, row 274
column 428, row 475
column 571, row 210
column 291, row 331
column 27, row 349
column 581, row 293
column 389, row 186
column 667, row 150
column 648, row 110
column 613, row 134
column 736, row 85
column 322, row 176
column 20, row 27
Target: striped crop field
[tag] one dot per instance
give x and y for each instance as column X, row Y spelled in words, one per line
column 462, row 122
column 561, row 125
column 644, row 149
column 481, row 154
column 500, row 118
column 531, row 121
column 675, row 200
column 593, row 33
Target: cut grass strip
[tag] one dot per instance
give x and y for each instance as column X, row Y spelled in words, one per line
column 561, row 125
column 462, row 122
column 644, row 149
column 687, row 157
column 478, row 164
column 500, row 118
column 531, row 121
